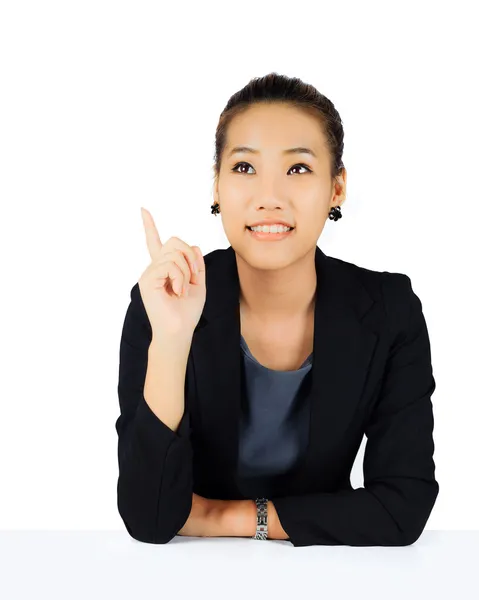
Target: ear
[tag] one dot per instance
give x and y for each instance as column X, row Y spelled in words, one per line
column 339, row 188
column 215, row 191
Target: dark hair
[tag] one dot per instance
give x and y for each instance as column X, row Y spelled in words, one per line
column 275, row 88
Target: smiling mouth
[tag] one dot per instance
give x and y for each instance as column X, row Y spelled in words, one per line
column 247, row 227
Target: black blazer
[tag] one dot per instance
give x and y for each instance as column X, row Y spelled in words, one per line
column 371, row 375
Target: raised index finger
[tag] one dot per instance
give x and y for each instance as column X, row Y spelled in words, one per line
column 152, row 237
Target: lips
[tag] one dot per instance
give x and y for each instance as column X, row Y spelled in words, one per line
column 270, row 237
column 270, row 222
column 250, row 227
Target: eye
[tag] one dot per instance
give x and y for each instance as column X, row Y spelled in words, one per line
column 234, row 169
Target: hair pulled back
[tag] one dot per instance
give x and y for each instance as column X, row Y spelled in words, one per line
column 275, row 88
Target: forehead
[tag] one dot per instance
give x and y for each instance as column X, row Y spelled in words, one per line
column 274, row 127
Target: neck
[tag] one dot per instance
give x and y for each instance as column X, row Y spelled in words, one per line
column 279, row 294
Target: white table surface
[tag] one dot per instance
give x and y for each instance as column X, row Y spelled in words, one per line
column 111, row 564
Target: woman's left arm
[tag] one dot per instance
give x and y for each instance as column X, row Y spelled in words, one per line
column 400, row 487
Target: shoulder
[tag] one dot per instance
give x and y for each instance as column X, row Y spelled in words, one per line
column 392, row 290
column 393, row 287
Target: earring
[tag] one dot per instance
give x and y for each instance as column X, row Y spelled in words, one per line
column 335, row 213
column 215, row 209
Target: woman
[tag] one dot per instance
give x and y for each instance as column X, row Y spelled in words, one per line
column 244, row 403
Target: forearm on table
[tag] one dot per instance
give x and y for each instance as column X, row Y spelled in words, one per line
column 237, row 518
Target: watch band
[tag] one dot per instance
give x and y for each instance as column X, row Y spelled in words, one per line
column 261, row 519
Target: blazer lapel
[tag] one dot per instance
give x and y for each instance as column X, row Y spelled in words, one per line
column 342, row 352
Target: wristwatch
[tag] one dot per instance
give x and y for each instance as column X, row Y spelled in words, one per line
column 261, row 519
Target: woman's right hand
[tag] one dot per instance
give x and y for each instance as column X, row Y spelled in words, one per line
column 171, row 269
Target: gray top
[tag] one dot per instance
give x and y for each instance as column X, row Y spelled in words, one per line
column 274, row 424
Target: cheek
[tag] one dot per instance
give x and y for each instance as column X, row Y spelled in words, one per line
column 233, row 188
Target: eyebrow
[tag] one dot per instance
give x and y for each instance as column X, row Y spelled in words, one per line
column 296, row 150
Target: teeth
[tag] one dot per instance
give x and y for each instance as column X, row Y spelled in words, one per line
column 272, row 229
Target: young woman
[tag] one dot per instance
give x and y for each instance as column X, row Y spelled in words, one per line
column 248, row 377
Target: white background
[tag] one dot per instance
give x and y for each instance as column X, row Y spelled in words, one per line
column 109, row 106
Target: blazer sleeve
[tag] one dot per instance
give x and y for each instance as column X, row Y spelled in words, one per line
column 400, row 488
column 154, row 491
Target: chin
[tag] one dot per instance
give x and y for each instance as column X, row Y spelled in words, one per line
column 264, row 260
